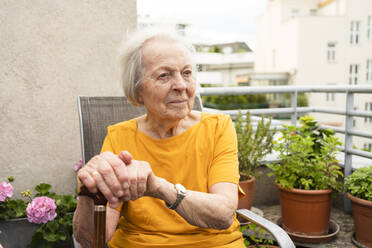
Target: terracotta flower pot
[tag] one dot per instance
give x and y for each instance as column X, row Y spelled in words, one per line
column 362, row 213
column 248, row 188
column 305, row 211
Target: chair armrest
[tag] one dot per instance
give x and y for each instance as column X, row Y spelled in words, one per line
column 278, row 233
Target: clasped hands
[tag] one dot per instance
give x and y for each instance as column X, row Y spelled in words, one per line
column 119, row 178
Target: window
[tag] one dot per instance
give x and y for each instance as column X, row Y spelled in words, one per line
column 331, row 51
column 368, row 108
column 330, row 97
column 369, row 28
column 354, row 32
column 369, row 71
column 353, row 74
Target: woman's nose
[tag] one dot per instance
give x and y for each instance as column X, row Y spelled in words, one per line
column 179, row 83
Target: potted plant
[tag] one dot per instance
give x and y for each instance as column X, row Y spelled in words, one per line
column 359, row 190
column 49, row 217
column 306, row 176
column 253, row 145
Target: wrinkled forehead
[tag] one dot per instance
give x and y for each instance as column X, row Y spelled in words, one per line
column 160, row 48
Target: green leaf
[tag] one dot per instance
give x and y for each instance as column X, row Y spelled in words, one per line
column 39, row 242
column 359, row 183
column 43, row 188
column 253, row 144
column 308, row 157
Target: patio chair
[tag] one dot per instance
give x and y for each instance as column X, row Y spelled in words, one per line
column 96, row 113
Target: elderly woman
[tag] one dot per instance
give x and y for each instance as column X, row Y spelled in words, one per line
column 170, row 176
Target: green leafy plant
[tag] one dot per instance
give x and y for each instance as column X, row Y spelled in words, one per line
column 10, row 208
column 236, row 101
column 359, row 183
column 253, row 144
column 56, row 229
column 255, row 236
column 59, row 229
column 308, row 157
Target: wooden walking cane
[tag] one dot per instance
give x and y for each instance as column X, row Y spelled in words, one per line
column 100, row 203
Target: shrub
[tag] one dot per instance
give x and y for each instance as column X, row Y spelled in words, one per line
column 359, row 183
column 253, row 145
column 308, row 157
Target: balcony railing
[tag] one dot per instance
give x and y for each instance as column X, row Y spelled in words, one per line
column 348, row 112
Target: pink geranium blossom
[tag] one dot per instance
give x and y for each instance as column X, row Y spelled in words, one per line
column 6, row 190
column 41, row 210
column 78, row 165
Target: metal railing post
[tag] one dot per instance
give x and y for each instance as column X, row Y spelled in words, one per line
column 294, row 106
column 348, row 143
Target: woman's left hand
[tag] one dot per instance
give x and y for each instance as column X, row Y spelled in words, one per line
column 139, row 179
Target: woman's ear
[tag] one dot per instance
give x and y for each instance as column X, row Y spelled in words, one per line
column 140, row 100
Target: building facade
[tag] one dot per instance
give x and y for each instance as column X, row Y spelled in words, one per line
column 317, row 42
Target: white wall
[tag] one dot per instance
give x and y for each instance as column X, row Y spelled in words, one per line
column 338, row 7
column 268, row 23
column 302, row 6
column 51, row 52
column 358, row 54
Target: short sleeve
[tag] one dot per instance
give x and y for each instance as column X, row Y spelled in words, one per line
column 107, row 146
column 225, row 165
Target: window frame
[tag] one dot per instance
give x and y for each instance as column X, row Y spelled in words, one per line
column 368, row 108
column 354, row 32
column 354, row 74
column 331, row 51
column 369, row 71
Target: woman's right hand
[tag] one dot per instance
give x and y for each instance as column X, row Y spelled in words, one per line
column 117, row 177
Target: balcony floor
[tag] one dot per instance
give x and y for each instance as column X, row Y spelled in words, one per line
column 343, row 239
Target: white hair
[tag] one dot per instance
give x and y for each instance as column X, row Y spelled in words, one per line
column 131, row 61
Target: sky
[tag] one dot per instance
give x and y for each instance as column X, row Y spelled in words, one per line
column 211, row 20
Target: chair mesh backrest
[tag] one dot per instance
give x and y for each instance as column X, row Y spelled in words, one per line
column 97, row 113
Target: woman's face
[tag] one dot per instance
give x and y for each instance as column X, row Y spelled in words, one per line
column 169, row 84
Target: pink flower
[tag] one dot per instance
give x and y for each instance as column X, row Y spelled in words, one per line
column 41, row 210
column 78, row 165
column 6, row 190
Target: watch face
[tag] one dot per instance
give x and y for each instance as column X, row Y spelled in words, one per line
column 180, row 188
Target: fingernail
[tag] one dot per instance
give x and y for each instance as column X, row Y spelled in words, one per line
column 126, row 198
column 120, row 193
column 126, row 185
column 114, row 199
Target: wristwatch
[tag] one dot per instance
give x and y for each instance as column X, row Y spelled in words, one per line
column 181, row 193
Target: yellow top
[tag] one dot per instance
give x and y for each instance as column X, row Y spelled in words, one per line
column 203, row 155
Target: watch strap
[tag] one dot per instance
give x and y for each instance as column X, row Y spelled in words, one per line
column 180, row 196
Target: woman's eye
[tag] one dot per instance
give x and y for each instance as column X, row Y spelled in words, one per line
column 187, row 73
column 163, row 75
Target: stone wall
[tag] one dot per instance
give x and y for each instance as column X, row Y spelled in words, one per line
column 51, row 52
